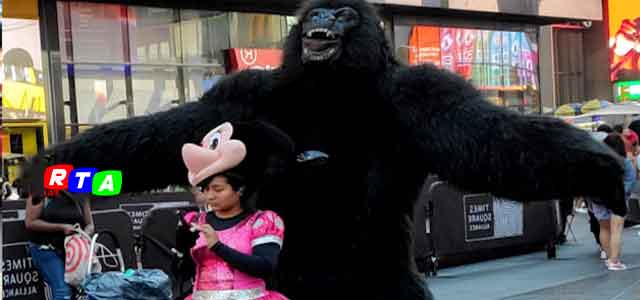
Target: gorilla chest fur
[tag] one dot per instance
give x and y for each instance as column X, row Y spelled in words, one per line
column 337, row 134
column 335, row 130
column 332, row 160
column 340, row 115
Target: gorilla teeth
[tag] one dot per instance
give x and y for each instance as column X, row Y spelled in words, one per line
column 321, row 57
column 327, row 32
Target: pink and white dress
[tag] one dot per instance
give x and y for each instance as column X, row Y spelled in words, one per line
column 217, row 280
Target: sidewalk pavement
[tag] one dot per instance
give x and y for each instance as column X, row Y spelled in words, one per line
column 577, row 273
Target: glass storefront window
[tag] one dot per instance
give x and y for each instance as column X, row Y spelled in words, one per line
column 501, row 64
column 257, row 30
column 134, row 60
column 201, row 79
column 71, row 125
column 154, row 35
column 66, row 96
column 205, row 34
column 154, row 89
column 94, row 30
column 64, row 31
column 100, row 93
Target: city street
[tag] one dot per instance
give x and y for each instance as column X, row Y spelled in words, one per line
column 243, row 149
column 577, row 273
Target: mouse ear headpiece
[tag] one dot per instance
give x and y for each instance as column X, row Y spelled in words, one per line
column 216, row 153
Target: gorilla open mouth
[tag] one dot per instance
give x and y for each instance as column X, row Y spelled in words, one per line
column 320, row 44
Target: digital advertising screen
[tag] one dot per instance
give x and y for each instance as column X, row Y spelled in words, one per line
column 490, row 59
column 624, row 39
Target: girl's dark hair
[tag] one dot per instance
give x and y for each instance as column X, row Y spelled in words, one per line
column 618, row 128
column 616, row 142
column 238, row 183
column 605, row 128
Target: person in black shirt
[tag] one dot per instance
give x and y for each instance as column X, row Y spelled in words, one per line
column 50, row 220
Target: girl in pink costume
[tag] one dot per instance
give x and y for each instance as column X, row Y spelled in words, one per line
column 238, row 247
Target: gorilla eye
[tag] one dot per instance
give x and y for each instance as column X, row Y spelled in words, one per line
column 346, row 14
column 214, row 141
column 313, row 14
column 345, row 17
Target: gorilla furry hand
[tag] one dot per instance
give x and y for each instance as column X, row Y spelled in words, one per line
column 380, row 128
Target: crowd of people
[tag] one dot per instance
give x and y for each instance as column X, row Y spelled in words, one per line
column 607, row 227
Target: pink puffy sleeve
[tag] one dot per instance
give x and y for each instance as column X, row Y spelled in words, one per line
column 267, row 228
column 190, row 217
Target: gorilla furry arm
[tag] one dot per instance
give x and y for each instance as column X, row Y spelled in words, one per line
column 482, row 147
column 147, row 148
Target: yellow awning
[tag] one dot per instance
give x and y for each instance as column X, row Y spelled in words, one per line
column 20, row 9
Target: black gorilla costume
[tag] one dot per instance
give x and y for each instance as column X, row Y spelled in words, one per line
column 380, row 127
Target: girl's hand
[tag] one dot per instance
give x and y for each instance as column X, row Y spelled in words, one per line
column 209, row 233
column 68, row 229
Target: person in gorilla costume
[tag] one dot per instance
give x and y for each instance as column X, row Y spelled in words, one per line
column 367, row 131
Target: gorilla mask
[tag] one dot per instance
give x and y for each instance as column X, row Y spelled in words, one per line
column 323, row 30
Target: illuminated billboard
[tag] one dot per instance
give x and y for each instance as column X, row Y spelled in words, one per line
column 624, row 39
column 490, row 59
column 627, row 91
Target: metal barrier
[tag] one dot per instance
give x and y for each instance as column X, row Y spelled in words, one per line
column 122, row 215
column 457, row 227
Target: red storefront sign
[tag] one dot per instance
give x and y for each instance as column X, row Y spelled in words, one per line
column 252, row 58
column 424, row 45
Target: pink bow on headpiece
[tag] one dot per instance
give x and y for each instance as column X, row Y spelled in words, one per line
column 216, row 154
